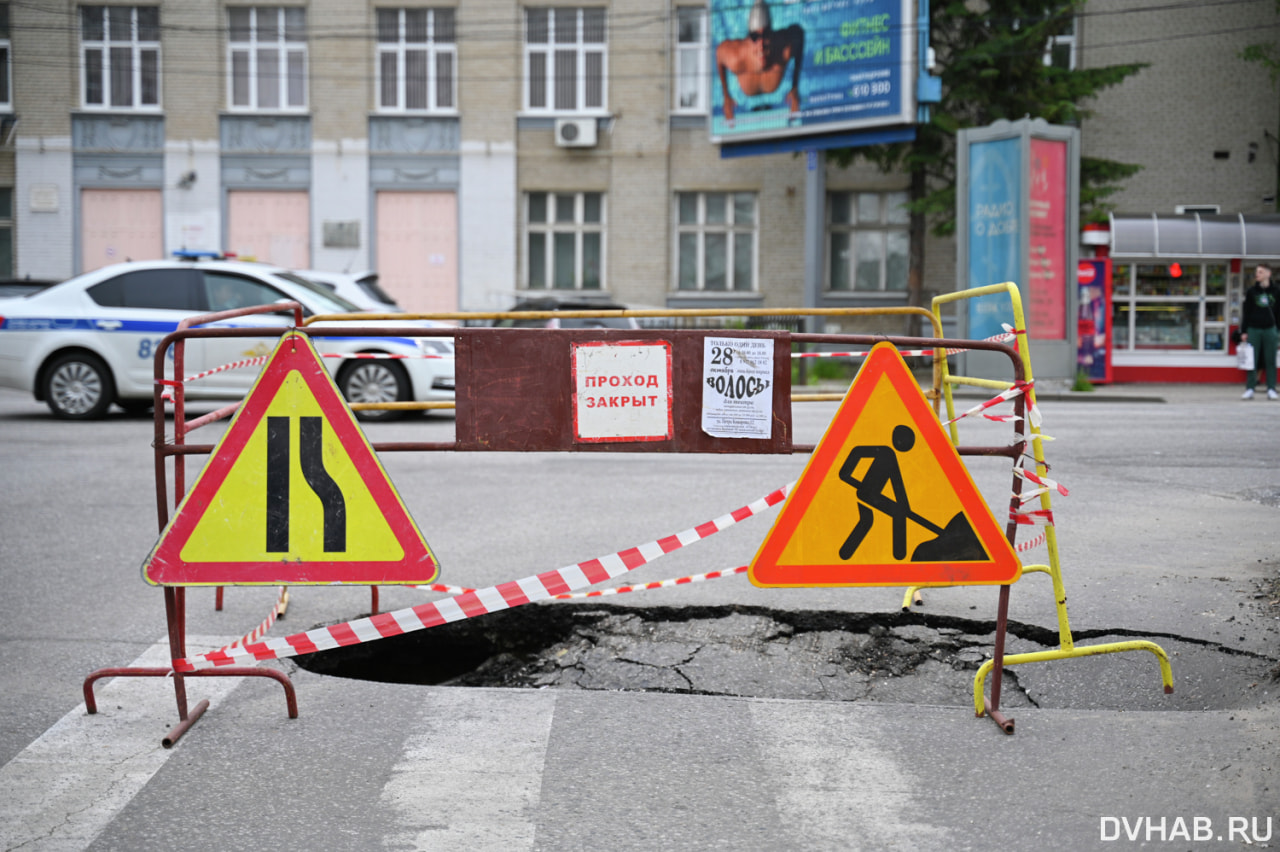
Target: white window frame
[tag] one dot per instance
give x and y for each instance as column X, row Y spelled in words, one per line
column 105, row 46
column 550, row 228
column 285, row 51
column 730, row 229
column 435, row 51
column 1067, row 40
column 880, row 227
column 549, row 53
column 6, row 91
column 693, row 59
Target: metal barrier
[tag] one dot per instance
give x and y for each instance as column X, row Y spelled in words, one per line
column 1067, row 649
column 476, row 432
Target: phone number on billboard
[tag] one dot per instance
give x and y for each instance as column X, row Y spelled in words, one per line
column 866, row 90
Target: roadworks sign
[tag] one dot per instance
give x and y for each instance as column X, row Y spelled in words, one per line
column 293, row 494
column 885, row 499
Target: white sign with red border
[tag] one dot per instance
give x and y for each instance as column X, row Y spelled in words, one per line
column 622, row 391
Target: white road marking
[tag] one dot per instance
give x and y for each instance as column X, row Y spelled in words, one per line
column 61, row 791
column 492, row 745
column 836, row 787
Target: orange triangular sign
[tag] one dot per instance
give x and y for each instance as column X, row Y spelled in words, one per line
column 885, row 499
column 293, row 494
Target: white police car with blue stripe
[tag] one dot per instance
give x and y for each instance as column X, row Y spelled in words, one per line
column 90, row 341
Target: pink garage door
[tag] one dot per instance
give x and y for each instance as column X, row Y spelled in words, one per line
column 118, row 225
column 271, row 227
column 418, row 249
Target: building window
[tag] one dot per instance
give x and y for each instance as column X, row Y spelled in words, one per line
column 1060, row 52
column 867, row 241
column 1169, row 305
column 267, row 62
column 564, row 240
column 564, row 60
column 6, row 232
column 119, row 55
column 716, row 241
column 6, row 92
column 692, row 72
column 417, row 58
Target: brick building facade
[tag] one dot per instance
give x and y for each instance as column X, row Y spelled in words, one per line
column 427, row 141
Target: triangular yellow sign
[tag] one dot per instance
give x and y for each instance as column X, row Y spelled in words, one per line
column 885, row 499
column 293, row 494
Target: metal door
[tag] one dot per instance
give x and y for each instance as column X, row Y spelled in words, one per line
column 270, row 226
column 418, row 249
column 118, row 225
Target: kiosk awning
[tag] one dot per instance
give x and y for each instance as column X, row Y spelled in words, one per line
column 1195, row 235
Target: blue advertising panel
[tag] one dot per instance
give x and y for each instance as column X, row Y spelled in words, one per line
column 799, row 68
column 995, row 219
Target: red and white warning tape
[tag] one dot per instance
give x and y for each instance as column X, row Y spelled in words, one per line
column 1043, row 481
column 555, row 584
column 1024, row 546
column 657, row 584
column 995, row 338
column 1032, row 516
column 282, row 604
column 479, row 602
column 262, row 359
column 374, row 355
column 1017, row 389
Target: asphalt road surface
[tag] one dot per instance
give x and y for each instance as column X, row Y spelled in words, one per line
column 1169, row 535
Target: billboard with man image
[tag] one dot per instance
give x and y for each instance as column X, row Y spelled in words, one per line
column 789, row 68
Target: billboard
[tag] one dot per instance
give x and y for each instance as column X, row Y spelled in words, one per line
column 1017, row 193
column 791, row 68
column 994, row 232
column 1047, row 240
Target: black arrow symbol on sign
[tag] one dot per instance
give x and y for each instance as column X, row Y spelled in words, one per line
column 311, row 457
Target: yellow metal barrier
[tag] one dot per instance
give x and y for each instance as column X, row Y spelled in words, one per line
column 1067, row 649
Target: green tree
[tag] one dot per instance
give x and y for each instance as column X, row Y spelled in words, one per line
column 992, row 68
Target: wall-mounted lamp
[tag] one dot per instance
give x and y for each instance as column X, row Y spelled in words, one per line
column 187, row 180
column 1253, row 151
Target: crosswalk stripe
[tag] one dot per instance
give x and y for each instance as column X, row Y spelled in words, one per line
column 63, row 789
column 492, row 750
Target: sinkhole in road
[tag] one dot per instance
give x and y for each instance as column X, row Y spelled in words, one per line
column 905, row 657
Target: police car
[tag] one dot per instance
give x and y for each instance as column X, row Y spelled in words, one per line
column 88, row 342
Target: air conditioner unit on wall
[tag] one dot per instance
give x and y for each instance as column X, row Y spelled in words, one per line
column 576, row 132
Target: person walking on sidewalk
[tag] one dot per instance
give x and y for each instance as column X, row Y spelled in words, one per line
column 1261, row 321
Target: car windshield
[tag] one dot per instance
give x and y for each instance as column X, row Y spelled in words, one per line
column 325, row 299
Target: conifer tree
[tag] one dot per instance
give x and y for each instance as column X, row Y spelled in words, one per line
column 991, row 59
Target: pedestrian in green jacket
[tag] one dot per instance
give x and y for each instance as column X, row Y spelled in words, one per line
column 1260, row 319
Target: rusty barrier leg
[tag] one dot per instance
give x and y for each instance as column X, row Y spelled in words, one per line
column 1002, row 623
column 175, row 610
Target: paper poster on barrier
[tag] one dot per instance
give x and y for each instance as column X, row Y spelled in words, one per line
column 737, row 381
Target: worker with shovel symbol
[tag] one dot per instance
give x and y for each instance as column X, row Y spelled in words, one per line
column 955, row 542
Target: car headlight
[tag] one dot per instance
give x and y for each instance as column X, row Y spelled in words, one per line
column 435, row 346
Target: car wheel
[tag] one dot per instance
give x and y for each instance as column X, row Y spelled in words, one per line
column 374, row 381
column 78, row 386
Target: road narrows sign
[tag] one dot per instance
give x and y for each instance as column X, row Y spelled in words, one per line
column 885, row 499
column 292, row 494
